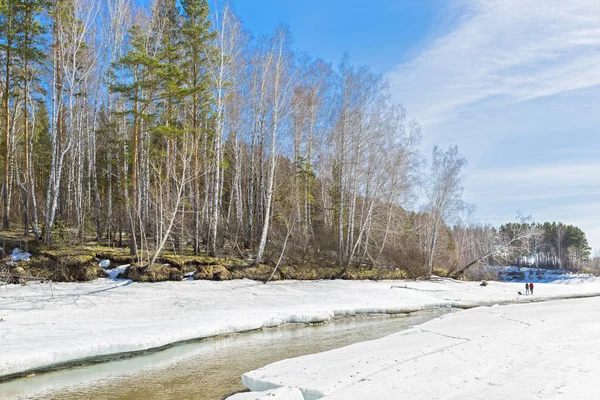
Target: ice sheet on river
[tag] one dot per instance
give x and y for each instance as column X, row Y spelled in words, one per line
column 537, row 351
column 47, row 325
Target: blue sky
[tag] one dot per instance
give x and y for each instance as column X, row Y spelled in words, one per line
column 514, row 83
column 377, row 33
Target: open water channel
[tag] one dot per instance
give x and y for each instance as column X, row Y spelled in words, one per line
column 208, row 369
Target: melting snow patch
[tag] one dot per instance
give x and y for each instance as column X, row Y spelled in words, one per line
column 18, row 255
column 114, row 273
column 189, row 276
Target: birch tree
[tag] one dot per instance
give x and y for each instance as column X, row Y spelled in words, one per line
column 281, row 78
column 443, row 189
column 222, row 71
column 72, row 21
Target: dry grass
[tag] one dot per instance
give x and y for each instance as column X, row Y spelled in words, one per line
column 68, row 262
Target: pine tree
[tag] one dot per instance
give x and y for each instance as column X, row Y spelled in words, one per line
column 29, row 49
column 197, row 34
column 171, row 78
column 138, row 91
column 8, row 38
column 154, row 93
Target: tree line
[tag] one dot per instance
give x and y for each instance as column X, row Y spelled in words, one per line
column 528, row 244
column 555, row 246
column 169, row 126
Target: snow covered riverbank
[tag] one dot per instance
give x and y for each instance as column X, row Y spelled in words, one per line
column 536, row 351
column 45, row 326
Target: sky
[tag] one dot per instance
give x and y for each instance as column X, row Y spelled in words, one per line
column 514, row 83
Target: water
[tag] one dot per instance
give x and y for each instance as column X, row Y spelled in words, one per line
column 209, row 369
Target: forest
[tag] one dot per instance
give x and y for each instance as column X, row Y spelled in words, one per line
column 165, row 131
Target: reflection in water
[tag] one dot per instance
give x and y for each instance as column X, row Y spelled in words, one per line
column 209, row 369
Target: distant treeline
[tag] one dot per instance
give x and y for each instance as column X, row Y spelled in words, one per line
column 554, row 245
column 543, row 245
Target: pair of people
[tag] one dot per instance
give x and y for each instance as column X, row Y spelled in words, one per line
column 528, row 287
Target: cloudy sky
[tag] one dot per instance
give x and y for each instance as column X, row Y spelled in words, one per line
column 514, row 83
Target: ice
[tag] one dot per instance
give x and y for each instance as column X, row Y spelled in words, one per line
column 104, row 263
column 282, row 393
column 540, row 351
column 109, row 316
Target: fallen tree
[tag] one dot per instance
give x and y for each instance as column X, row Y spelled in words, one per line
column 489, row 243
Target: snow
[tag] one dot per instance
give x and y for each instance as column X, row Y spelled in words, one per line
column 189, row 276
column 282, row 393
column 535, row 275
column 538, row 351
column 104, row 263
column 115, row 272
column 54, row 323
column 18, row 255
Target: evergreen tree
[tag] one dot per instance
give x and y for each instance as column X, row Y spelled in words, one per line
column 8, row 43
column 29, row 49
column 170, row 76
column 197, row 35
column 138, row 90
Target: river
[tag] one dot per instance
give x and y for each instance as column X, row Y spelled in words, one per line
column 208, row 369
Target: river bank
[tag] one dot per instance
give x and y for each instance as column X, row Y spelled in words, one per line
column 65, row 262
column 49, row 325
column 204, row 370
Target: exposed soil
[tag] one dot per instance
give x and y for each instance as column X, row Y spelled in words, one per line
column 66, row 262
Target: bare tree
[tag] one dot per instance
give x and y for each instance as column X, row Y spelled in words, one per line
column 170, row 181
column 73, row 20
column 281, row 80
column 486, row 243
column 443, row 189
column 222, row 71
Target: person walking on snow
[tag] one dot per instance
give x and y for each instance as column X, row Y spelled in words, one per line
column 526, row 288
column 531, row 287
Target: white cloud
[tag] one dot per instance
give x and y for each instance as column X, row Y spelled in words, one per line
column 539, row 181
column 516, row 84
column 515, row 49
